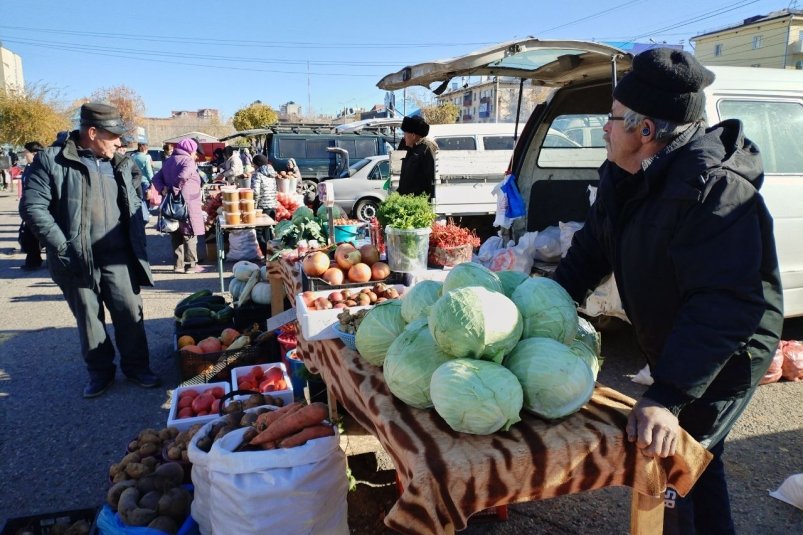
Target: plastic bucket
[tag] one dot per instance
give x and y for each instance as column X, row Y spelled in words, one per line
column 407, row 249
column 295, row 369
column 347, row 233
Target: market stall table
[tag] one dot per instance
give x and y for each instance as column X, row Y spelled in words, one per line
column 447, row 476
column 221, row 227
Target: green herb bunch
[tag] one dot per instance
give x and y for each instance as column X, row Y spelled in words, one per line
column 406, row 211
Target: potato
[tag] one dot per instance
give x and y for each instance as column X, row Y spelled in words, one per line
column 132, row 457
column 133, row 445
column 128, row 501
column 113, row 495
column 152, row 437
column 172, row 472
column 137, row 470
column 140, row 516
column 147, row 449
column 150, row 462
column 146, row 484
column 165, row 434
column 165, row 524
column 204, row 444
column 248, row 419
column 122, row 476
column 115, row 469
column 185, row 457
column 174, row 453
column 175, row 503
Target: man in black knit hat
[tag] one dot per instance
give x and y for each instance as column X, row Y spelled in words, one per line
column 680, row 223
column 418, row 166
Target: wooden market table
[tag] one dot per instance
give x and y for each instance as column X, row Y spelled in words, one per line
column 221, row 227
column 447, row 476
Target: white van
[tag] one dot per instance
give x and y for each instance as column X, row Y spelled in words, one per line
column 554, row 178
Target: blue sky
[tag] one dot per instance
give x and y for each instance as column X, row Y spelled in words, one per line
column 330, row 55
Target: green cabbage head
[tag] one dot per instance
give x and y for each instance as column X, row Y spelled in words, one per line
column 587, row 334
column 378, row 329
column 476, row 396
column 475, row 322
column 411, row 360
column 555, row 381
column 471, row 274
column 510, row 280
column 586, row 355
column 547, row 309
column 301, row 213
column 417, row 301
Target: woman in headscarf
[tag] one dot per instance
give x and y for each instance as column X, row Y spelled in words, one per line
column 180, row 173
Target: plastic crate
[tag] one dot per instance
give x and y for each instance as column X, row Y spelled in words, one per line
column 212, row 367
column 285, row 395
column 250, row 313
column 185, row 423
column 47, row 523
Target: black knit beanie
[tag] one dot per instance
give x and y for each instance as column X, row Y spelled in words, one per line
column 260, row 160
column 665, row 83
column 415, row 125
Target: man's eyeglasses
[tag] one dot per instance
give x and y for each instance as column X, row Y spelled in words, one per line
column 612, row 117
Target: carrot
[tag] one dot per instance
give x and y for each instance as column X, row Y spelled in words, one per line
column 308, row 433
column 312, row 414
column 267, row 418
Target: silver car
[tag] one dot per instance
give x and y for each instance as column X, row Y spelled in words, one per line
column 360, row 189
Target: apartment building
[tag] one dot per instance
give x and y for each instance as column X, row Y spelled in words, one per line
column 492, row 99
column 771, row 41
column 10, row 70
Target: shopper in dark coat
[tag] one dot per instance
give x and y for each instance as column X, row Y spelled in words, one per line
column 681, row 224
column 418, row 165
column 81, row 202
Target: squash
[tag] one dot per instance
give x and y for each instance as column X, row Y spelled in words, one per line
column 263, row 273
column 245, row 295
column 236, row 288
column 261, row 293
column 243, row 269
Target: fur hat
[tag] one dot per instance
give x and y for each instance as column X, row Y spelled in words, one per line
column 415, row 125
column 665, row 83
column 103, row 116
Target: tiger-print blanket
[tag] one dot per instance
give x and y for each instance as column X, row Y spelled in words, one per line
column 290, row 275
column 447, row 476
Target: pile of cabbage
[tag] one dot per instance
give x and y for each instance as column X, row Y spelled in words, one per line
column 481, row 346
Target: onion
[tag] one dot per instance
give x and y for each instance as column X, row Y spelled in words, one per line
column 316, row 264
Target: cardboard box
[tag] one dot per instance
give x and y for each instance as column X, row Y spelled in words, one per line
column 185, row 423
column 285, row 395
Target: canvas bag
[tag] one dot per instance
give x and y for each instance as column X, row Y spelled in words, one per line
column 292, row 491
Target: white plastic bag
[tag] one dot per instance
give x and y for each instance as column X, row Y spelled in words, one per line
column 501, row 220
column 547, row 245
column 488, row 249
column 201, row 501
column 243, row 245
column 605, row 301
column 516, row 256
column 791, row 491
column 643, row 377
column 291, row 491
column 567, row 231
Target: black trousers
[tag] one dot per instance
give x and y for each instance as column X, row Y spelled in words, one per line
column 120, row 293
column 706, row 509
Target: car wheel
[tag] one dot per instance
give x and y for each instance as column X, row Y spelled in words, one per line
column 307, row 186
column 366, row 209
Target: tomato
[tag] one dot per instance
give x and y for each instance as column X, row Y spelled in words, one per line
column 267, row 386
column 274, row 373
column 202, row 413
column 215, row 409
column 202, row 403
column 217, row 392
column 257, row 372
column 184, row 402
column 186, row 412
column 188, row 394
column 247, row 385
column 281, row 384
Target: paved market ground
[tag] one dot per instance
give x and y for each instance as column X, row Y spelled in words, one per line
column 56, row 447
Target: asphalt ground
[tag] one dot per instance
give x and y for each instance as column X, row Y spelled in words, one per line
column 56, row 447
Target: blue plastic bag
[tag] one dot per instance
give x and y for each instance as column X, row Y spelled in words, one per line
column 515, row 203
column 109, row 523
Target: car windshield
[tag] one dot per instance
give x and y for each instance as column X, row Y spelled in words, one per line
column 353, row 168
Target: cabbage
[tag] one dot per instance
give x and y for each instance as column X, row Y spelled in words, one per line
column 380, row 326
column 587, row 334
column 476, row 396
column 417, row 301
column 337, row 212
column 585, row 354
column 411, row 360
column 547, row 309
column 510, row 280
column 471, row 274
column 475, row 322
column 555, row 381
column 301, row 213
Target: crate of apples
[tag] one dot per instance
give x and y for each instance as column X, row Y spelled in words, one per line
column 347, row 265
column 196, row 404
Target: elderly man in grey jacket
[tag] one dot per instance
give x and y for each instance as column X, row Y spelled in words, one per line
column 80, row 200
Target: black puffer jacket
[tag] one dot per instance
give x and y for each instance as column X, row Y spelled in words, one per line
column 55, row 206
column 689, row 240
column 418, row 169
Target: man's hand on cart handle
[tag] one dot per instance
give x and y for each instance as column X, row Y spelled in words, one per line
column 653, row 428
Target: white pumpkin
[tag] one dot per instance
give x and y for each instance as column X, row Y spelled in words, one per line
column 263, row 273
column 261, row 293
column 243, row 269
column 236, row 287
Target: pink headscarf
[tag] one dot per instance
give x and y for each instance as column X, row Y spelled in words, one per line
column 188, row 145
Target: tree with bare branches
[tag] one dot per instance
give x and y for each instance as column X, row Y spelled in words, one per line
column 125, row 99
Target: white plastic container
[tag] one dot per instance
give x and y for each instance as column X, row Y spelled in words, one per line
column 285, row 395
column 185, row 423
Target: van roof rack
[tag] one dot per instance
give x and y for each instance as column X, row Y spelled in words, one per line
column 304, row 128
